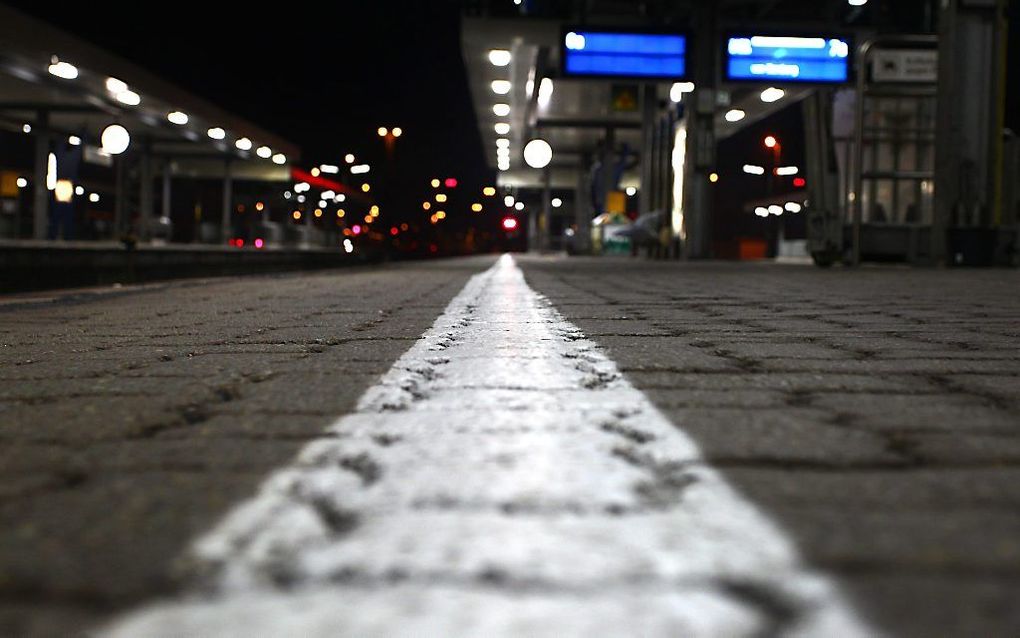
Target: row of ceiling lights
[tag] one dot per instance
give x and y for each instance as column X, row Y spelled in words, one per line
column 115, row 138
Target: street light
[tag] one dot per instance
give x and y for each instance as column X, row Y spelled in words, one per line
column 115, row 139
column 538, row 153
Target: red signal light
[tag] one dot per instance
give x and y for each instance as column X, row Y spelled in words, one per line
column 509, row 223
column 799, row 182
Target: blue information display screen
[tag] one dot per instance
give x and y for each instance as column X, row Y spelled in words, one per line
column 621, row 55
column 788, row 59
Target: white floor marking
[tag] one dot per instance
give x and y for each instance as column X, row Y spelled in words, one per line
column 502, row 479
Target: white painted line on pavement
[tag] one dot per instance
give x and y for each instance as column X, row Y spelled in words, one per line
column 502, row 479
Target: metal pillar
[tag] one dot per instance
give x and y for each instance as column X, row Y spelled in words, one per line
column 700, row 148
column 145, row 194
column 582, row 208
column 40, row 194
column 120, row 197
column 648, row 149
column 968, row 149
column 228, row 200
column 546, row 213
column 167, row 186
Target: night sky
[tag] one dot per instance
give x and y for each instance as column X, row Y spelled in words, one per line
column 323, row 75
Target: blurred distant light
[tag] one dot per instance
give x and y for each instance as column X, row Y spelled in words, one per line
column 264, row 152
column 713, row 177
column 51, row 171
column 382, row 131
column 502, row 128
column 315, row 171
column 74, row 140
column 397, row 131
column 359, row 169
column 450, row 182
column 63, row 191
column 770, row 141
column 321, row 204
column 538, row 153
column 793, row 207
column 296, row 214
column 259, row 206
column 356, row 229
column 115, row 139
column 761, row 211
column 426, row 205
column 556, row 202
column 349, row 158
column 476, row 207
column 502, row 142
column 348, row 246
column 440, row 197
column 115, row 86
column 631, row 191
column 678, row 89
column 772, row 94
column 374, row 211
column 751, row 169
column 734, row 115
column 501, row 87
column 177, row 117
column 508, row 201
column 365, row 188
column 519, row 206
column 318, row 212
column 509, row 223
column 216, row 133
column 301, row 187
column 340, row 213
column 786, row 171
column 501, row 109
column 259, row 243
column 79, row 190
column 503, row 165
column 327, row 195
column 129, row 97
column 279, row 158
column 64, row 70
column 500, row 57
column 800, row 182
column 22, row 182
column 301, row 199
column 332, row 169
column 435, row 183
column 776, row 209
column 545, row 92
column 94, row 198
column 27, row 128
column 243, row 144
column 440, row 214
column 857, row 3
column 503, row 152
column 488, row 191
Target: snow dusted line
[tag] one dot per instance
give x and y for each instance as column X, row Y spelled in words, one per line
column 501, row 479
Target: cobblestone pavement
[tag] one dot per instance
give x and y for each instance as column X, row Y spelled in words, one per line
column 873, row 414
column 130, row 421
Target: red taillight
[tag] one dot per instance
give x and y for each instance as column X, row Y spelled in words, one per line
column 799, row 182
column 509, row 223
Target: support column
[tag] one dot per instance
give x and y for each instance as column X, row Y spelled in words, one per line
column 543, row 222
column 649, row 109
column 700, row 147
column 167, row 186
column 228, row 200
column 968, row 138
column 40, row 194
column 582, row 207
column 120, row 197
column 145, row 194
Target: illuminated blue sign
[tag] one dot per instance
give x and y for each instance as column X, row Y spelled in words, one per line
column 634, row 55
column 788, row 59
